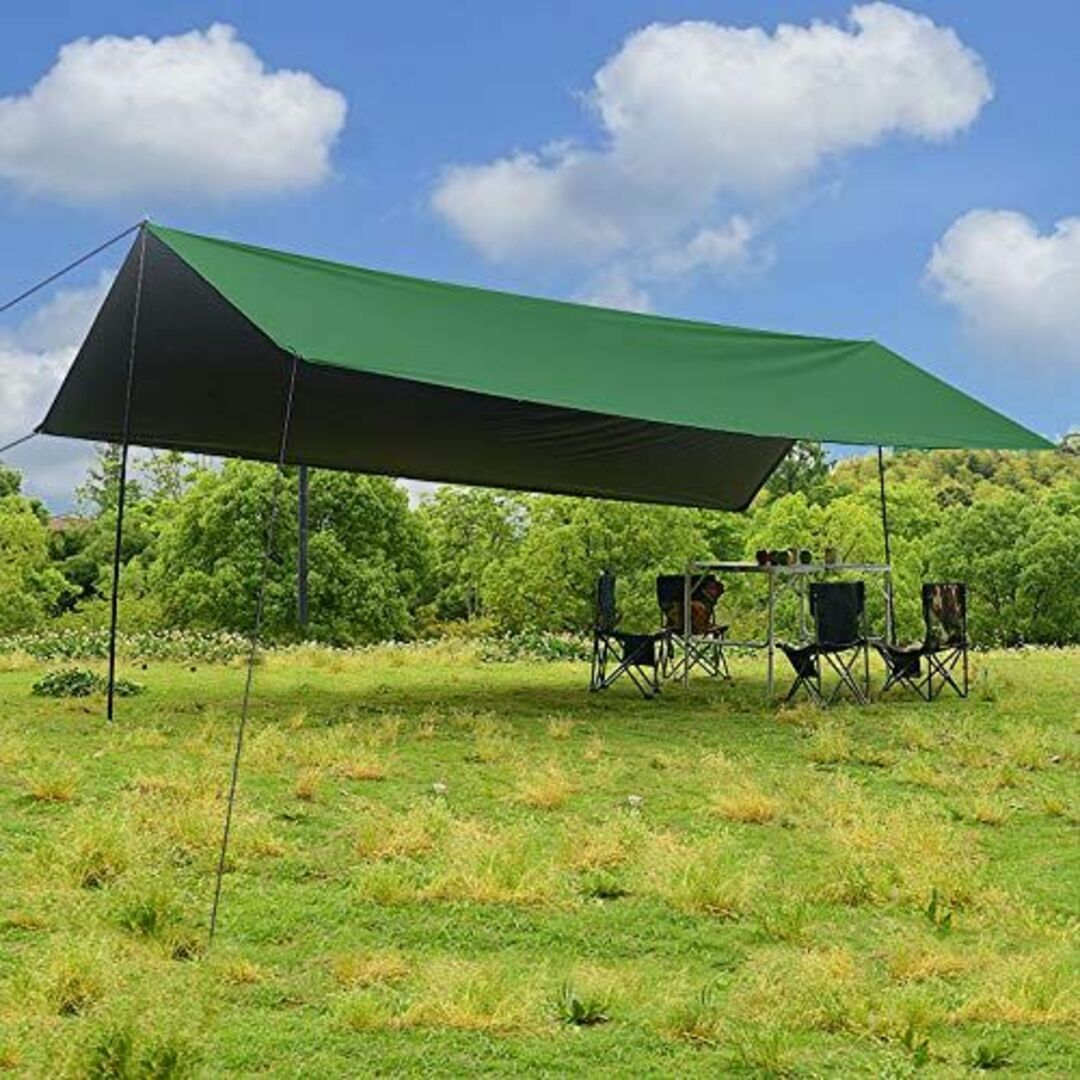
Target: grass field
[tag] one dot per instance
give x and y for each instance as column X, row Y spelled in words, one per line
column 444, row 867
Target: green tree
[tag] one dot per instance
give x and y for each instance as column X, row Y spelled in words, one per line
column 368, row 555
column 805, row 468
column 548, row 580
column 470, row 529
column 30, row 587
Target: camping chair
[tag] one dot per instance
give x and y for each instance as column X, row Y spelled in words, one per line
column 944, row 646
column 839, row 612
column 705, row 648
column 617, row 653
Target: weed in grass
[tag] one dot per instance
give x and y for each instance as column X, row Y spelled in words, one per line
column 594, row 749
column 917, row 1045
column 603, row 845
column 1025, row 747
column 698, row 1019
column 745, row 802
column 494, row 865
column 783, row 919
column 14, row 751
column 151, row 915
column 712, row 880
column 829, row 745
column 545, row 787
column 491, row 742
column 367, row 767
column 580, row 1009
column 97, row 852
column 561, row 727
column 308, row 784
column 10, row 1058
column 916, row 962
column 1034, row 989
column 1006, row 777
column 55, row 785
column 994, row 1053
column 488, row 996
column 763, row 1050
column 117, row 1054
column 916, row 736
column 390, row 884
column 367, row 1010
column 985, row 810
column 938, row 913
column 24, row 920
column 357, row 970
column 602, row 885
column 385, row 834
column 922, row 774
column 242, row 972
column 893, row 855
column 73, row 983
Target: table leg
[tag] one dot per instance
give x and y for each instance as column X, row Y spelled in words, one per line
column 686, row 629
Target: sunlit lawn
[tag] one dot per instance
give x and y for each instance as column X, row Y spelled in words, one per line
column 445, row 867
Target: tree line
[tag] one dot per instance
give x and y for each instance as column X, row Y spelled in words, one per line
column 481, row 561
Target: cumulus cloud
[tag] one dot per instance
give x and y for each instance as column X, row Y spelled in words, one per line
column 197, row 115
column 1018, row 290
column 34, row 358
column 702, row 123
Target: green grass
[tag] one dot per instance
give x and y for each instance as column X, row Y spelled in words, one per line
column 444, row 867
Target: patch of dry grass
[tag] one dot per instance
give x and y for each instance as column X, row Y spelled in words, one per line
column 746, row 803
column 544, row 787
column 386, row 834
column 57, row 784
column 358, row 970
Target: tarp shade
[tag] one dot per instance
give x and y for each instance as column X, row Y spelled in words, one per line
column 434, row 381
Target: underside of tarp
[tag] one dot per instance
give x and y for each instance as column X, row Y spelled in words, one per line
column 420, row 379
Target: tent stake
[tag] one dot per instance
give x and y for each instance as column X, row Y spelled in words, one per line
column 122, row 490
column 254, row 644
column 890, row 628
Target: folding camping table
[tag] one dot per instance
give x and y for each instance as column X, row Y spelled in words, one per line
column 795, row 577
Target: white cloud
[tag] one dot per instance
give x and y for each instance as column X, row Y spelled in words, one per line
column 701, row 125
column 195, row 115
column 615, row 288
column 34, row 358
column 1018, row 290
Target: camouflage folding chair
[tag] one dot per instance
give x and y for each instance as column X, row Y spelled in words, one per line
column 941, row 659
column 617, row 653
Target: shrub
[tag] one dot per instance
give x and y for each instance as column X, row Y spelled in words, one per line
column 78, row 682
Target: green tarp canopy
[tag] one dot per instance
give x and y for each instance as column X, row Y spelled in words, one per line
column 415, row 378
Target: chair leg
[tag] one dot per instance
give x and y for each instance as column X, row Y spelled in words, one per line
column 843, row 668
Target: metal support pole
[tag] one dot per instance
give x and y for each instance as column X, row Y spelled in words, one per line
column 890, row 629
column 771, row 644
column 122, row 492
column 302, row 553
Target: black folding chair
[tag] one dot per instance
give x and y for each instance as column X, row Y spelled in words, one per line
column 616, row 652
column 943, row 650
column 839, row 614
column 705, row 648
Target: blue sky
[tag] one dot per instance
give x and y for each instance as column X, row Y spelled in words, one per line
column 838, row 241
